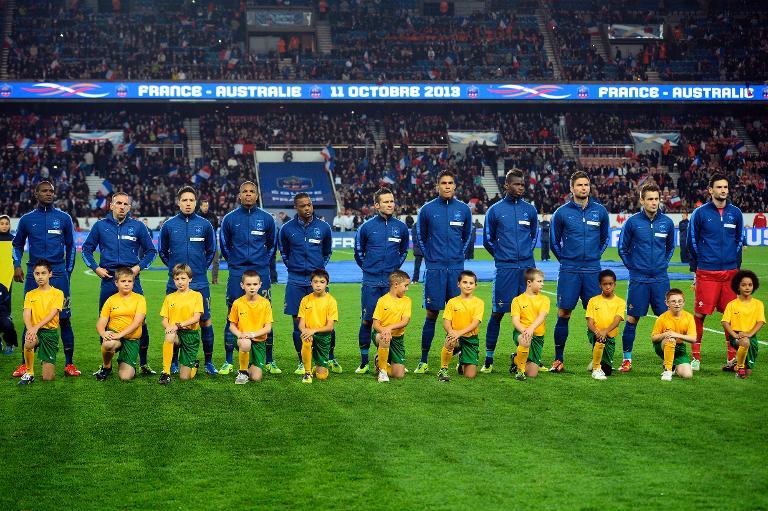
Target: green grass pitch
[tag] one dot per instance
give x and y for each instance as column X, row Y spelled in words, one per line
column 556, row 442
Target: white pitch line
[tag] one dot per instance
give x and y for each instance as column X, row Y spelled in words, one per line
column 654, row 316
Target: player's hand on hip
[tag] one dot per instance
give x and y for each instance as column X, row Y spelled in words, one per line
column 101, row 272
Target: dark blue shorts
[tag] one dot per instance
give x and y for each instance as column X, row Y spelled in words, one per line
column 439, row 287
column 571, row 286
column 369, row 295
column 294, row 293
column 206, row 292
column 59, row 280
column 642, row 294
column 234, row 291
column 507, row 284
column 108, row 288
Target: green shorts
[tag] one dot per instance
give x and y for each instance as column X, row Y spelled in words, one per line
column 47, row 344
column 258, row 356
column 537, row 347
column 129, row 352
column 189, row 345
column 681, row 353
column 396, row 348
column 321, row 348
column 610, row 348
column 751, row 354
column 470, row 347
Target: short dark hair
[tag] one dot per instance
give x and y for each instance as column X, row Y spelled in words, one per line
column 606, row 273
column 446, row 172
column 397, row 277
column 250, row 273
column 467, row 273
column 300, row 195
column 513, row 173
column 742, row 274
column 717, row 176
column 248, row 183
column 43, row 182
column 120, row 192
column 649, row 187
column 380, row 192
column 531, row 273
column 45, row 263
column 579, row 174
column 186, row 189
column 674, row 291
column 320, row 273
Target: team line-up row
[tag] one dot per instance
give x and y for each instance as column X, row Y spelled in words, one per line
column 248, row 239
column 250, row 321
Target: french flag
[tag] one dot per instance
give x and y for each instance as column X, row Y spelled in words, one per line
column 64, row 145
column 204, row 173
column 675, row 201
column 329, row 155
column 105, row 188
column 740, row 148
column 24, row 143
column 102, row 203
column 173, row 172
column 128, row 149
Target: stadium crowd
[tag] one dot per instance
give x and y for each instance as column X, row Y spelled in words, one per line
column 412, row 153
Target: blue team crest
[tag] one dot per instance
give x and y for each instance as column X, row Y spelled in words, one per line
column 121, row 90
column 473, row 92
column 131, row 231
column 6, row 90
column 583, row 92
column 662, row 228
column 295, row 183
column 260, row 225
column 315, row 92
column 56, row 224
column 198, row 230
column 316, row 233
column 396, row 232
column 457, row 216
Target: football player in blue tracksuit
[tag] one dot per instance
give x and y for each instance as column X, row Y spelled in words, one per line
column 443, row 231
column 51, row 236
column 305, row 244
column 122, row 242
column 646, row 245
column 189, row 238
column 381, row 246
column 509, row 235
column 247, row 240
column 580, row 234
column 715, row 241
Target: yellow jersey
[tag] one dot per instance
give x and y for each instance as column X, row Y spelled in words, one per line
column 528, row 307
column 6, row 262
column 179, row 307
column 682, row 325
column 251, row 316
column 743, row 316
column 317, row 311
column 604, row 310
column 121, row 311
column 391, row 310
column 42, row 302
column 461, row 313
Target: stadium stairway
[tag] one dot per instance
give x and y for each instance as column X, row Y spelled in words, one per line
column 490, row 180
column 379, row 136
column 324, row 39
column 597, row 41
column 194, row 148
column 749, row 144
column 542, row 18
column 93, row 182
column 10, row 6
column 565, row 142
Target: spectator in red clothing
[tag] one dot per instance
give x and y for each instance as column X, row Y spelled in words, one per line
column 759, row 222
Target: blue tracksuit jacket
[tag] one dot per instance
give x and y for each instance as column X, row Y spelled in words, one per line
column 248, row 238
column 646, row 246
column 381, row 246
column 715, row 242
column 189, row 240
column 580, row 236
column 304, row 248
column 126, row 244
column 444, row 231
column 51, row 236
column 510, row 233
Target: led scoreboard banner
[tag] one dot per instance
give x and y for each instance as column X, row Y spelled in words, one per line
column 339, row 92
